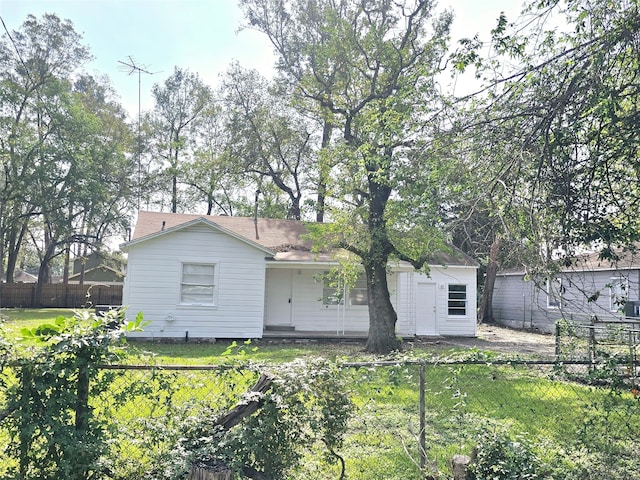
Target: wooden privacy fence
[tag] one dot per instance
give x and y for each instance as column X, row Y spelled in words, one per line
column 59, row 295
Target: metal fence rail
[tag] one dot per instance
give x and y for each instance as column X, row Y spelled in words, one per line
column 411, row 417
column 600, row 342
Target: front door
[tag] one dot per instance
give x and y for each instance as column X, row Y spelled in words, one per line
column 279, row 299
column 426, row 309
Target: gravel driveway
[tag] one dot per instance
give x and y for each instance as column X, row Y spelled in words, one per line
column 499, row 339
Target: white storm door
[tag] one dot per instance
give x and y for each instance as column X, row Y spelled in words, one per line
column 426, row 309
column 279, row 297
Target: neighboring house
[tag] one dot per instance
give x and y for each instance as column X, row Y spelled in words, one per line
column 590, row 290
column 97, row 267
column 22, row 277
column 234, row 277
column 99, row 274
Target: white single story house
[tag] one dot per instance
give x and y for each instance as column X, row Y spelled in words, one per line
column 196, row 276
column 588, row 290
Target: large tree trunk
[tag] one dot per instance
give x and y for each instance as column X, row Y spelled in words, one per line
column 210, row 471
column 14, row 243
column 327, row 128
column 382, row 316
column 486, row 309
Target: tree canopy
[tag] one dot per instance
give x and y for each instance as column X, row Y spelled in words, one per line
column 560, row 127
column 551, row 131
column 369, row 69
column 355, row 128
column 65, row 173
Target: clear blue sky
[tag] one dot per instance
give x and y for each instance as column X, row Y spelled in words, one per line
column 199, row 35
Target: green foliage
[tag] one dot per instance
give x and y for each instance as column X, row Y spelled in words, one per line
column 239, row 350
column 181, row 102
column 53, row 429
column 601, row 450
column 594, row 449
column 66, row 177
column 270, row 142
column 558, row 126
column 503, row 456
column 155, row 421
column 306, row 408
column 367, row 74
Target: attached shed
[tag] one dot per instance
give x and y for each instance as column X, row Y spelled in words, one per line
column 236, row 277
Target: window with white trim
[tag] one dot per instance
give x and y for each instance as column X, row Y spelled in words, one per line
column 334, row 292
column 457, row 300
column 618, row 293
column 555, row 291
column 197, row 285
column 358, row 293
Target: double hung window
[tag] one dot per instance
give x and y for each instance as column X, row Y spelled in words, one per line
column 197, row 285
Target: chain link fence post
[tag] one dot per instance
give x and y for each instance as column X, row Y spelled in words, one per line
column 423, row 423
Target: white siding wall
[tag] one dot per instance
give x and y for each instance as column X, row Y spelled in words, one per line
column 449, row 325
column 455, row 325
column 405, row 302
column 309, row 314
column 152, row 285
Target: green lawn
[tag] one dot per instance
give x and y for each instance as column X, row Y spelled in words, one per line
column 16, row 318
column 195, row 353
column 461, row 401
column 192, row 353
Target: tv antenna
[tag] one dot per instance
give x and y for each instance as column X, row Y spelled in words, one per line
column 131, row 66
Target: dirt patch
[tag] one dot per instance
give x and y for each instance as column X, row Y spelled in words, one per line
column 506, row 340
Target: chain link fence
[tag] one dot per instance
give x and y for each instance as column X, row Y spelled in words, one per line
column 581, row 419
column 598, row 341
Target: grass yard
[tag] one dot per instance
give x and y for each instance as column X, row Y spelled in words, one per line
column 204, row 353
column 462, row 401
column 181, row 353
column 17, row 318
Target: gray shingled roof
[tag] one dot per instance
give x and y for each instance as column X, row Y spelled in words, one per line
column 626, row 259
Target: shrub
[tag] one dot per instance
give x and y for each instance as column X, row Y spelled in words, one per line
column 307, row 405
column 54, row 433
column 502, row 457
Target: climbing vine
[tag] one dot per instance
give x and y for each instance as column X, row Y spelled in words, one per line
column 54, row 432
